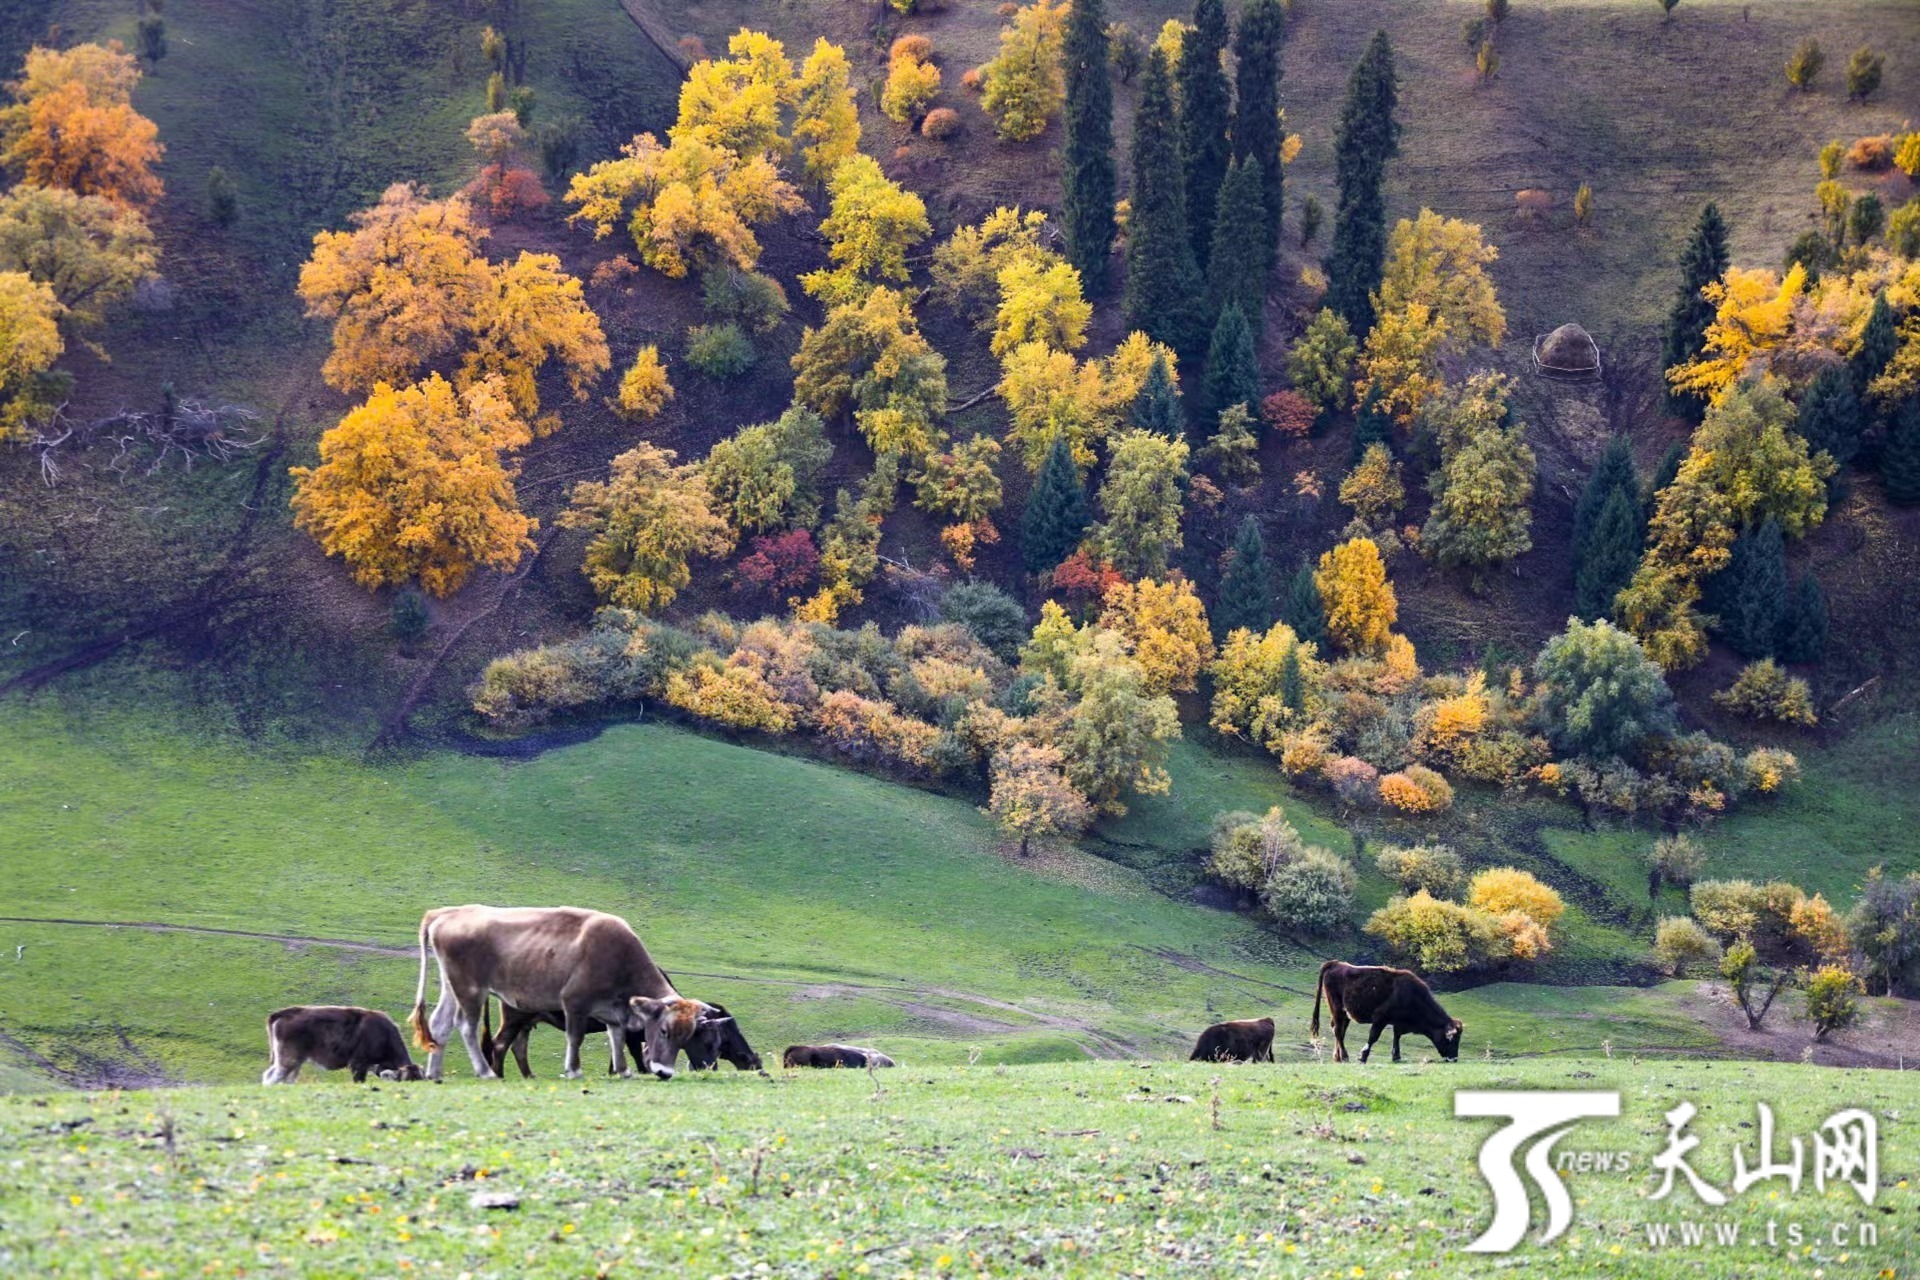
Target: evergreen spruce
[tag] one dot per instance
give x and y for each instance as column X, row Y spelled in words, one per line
column 1803, row 631
column 1087, row 201
column 1163, row 285
column 1703, row 262
column 1303, row 610
column 1233, row 371
column 1753, row 597
column 1368, row 136
column 1878, row 342
column 1830, row 416
column 1664, row 475
column 1157, row 407
column 1900, row 462
column 1613, row 471
column 1371, row 425
column 1246, row 592
column 1256, row 110
column 1056, row 517
column 1293, row 681
column 1609, row 555
column 1206, row 103
column 1234, row 274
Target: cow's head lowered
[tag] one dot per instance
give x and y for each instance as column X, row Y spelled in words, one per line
column 667, row 1026
column 1447, row 1040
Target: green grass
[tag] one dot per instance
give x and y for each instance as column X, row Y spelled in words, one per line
column 1092, row 1169
column 815, row 902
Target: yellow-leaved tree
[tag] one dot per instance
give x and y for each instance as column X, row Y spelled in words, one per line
column 1165, row 629
column 412, row 485
column 72, row 125
column 647, row 520
column 872, row 224
column 29, row 344
column 1442, row 263
column 1040, row 301
column 87, row 250
column 1359, row 601
column 826, row 124
column 534, row 312
column 1754, row 309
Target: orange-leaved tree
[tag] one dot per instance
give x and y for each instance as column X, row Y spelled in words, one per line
column 71, row 124
column 412, row 484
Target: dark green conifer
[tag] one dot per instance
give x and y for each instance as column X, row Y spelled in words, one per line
column 1293, row 681
column 1303, row 610
column 1613, row 471
column 1830, row 416
column 1233, row 370
column 1753, row 593
column 1157, row 407
column 1256, row 109
column 1056, row 517
column 1206, row 104
column 1371, row 425
column 1878, row 341
column 1609, row 555
column 1664, row 474
column 1900, row 461
column 1803, row 630
column 1368, row 136
column 1235, row 273
column 1246, row 589
column 1703, row 262
column 1087, row 161
column 1163, row 298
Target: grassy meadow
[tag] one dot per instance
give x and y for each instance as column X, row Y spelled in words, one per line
column 1120, row 1168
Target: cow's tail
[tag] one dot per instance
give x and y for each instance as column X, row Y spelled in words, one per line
column 486, row 1021
column 1313, row 1028
column 422, row 1034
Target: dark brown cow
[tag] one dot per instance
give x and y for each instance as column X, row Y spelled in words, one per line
column 336, row 1036
column 1247, row 1040
column 833, row 1055
column 586, row 966
column 1385, row 997
column 716, row 1038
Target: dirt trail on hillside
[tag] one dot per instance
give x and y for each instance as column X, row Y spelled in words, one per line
column 925, row 1002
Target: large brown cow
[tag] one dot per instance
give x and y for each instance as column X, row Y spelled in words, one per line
column 1385, row 997
column 336, row 1036
column 583, row 965
column 1242, row 1041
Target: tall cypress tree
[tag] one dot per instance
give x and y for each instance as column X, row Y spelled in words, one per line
column 1609, row 555
column 1803, row 631
column 1830, row 416
column 1157, row 407
column 1206, row 104
column 1293, row 681
column 1613, row 471
column 1755, row 593
column 1235, row 273
column 1163, row 285
column 1303, row 609
column 1233, row 370
column 1256, row 110
column 1246, row 591
column 1703, row 262
column 1900, row 462
column 1368, row 136
column 1056, row 517
column 1089, row 175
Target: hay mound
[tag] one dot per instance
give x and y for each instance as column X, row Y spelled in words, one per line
column 1568, row 349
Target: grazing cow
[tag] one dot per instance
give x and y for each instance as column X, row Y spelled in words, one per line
column 833, row 1055
column 716, row 1038
column 336, row 1036
column 586, row 966
column 1243, row 1041
column 1385, row 997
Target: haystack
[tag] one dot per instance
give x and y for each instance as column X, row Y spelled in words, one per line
column 1567, row 352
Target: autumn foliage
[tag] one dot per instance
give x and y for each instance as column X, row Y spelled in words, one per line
column 72, row 125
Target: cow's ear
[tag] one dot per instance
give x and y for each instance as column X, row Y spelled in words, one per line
column 643, row 1009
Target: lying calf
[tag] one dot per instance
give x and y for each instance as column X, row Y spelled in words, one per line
column 833, row 1055
column 336, row 1036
